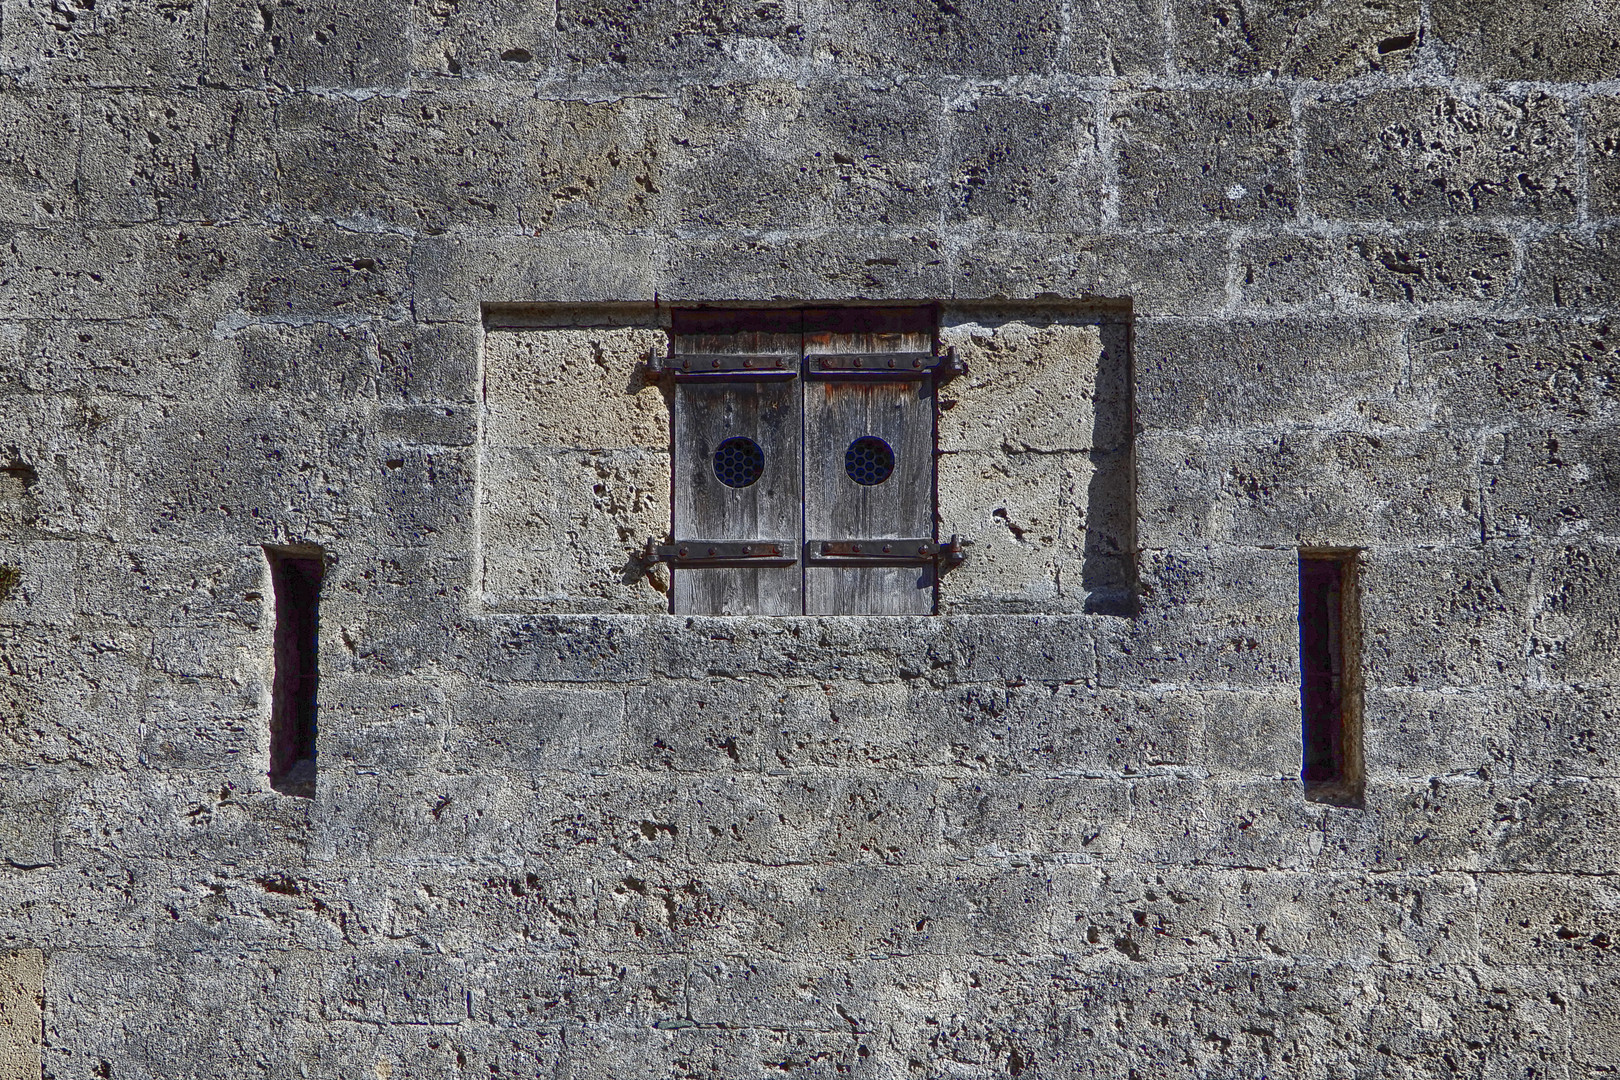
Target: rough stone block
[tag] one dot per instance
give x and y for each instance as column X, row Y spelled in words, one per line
column 1558, row 41
column 489, row 39
column 1020, row 816
column 1312, row 489
column 151, row 157
column 428, row 361
column 424, row 168
column 1413, row 733
column 571, row 389
column 1549, row 921
column 534, row 729
column 22, row 1008
column 1177, row 273
column 40, row 139
column 986, row 38
column 1034, row 384
column 1431, row 266
column 1227, row 617
column 1028, row 518
column 1444, row 617
column 779, row 155
column 1519, row 374
column 1603, row 155
column 619, row 41
column 1330, row 42
column 1237, row 145
column 1557, row 482
column 455, row 275
column 561, row 648
column 1574, row 270
column 1025, row 163
column 717, row 724
column 1429, row 153
column 1261, row 373
column 1563, row 733
column 841, row 264
column 1286, row 270
column 123, row 43
column 566, row 531
column 306, row 46
column 1575, row 627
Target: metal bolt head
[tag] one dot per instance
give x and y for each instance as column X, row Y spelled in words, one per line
column 682, row 553
column 713, row 551
column 887, row 548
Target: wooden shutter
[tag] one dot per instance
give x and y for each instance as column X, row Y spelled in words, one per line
column 866, row 378
column 744, row 397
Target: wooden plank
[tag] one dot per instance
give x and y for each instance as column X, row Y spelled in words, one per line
column 837, row 413
column 771, row 508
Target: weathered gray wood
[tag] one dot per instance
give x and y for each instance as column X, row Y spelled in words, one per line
column 708, row 413
column 901, row 413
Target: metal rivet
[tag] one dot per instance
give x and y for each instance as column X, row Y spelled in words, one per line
column 712, row 551
column 682, row 553
column 857, row 361
column 887, row 548
column 686, row 365
column 856, row 549
column 714, row 363
column 747, row 550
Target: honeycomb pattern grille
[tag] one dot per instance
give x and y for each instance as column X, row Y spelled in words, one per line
column 738, row 462
column 868, row 461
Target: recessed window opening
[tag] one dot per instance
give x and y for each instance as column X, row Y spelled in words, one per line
column 738, row 462
column 295, row 577
column 1330, row 677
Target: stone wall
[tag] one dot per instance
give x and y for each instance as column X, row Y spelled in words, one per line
column 264, row 275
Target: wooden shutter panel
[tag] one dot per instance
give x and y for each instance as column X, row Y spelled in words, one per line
column 712, row 407
column 842, row 407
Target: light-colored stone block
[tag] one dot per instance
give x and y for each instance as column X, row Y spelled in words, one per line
column 579, row 389
column 563, row 530
column 22, row 1007
column 1029, row 387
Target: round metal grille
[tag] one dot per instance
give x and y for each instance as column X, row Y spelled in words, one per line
column 738, row 462
column 868, row 461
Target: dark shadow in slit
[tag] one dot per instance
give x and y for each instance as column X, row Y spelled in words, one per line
column 1108, row 569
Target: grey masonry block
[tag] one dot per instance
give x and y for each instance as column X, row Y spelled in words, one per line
column 1428, row 153
column 1331, row 42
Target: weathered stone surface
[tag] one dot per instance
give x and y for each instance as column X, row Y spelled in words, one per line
column 1238, row 162
column 22, row 992
column 1330, row 42
column 1425, row 154
column 1229, row 281
column 1561, row 41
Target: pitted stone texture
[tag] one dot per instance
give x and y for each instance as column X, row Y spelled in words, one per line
column 1560, row 41
column 1189, row 157
column 576, row 467
column 22, row 991
column 1331, row 42
column 1432, row 153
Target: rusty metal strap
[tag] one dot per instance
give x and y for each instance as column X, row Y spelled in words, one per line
column 724, row 367
column 694, row 554
column 890, row 552
column 885, row 365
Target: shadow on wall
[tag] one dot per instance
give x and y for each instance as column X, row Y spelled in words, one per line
column 1108, row 567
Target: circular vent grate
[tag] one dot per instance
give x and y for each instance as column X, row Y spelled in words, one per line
column 868, row 461
column 738, row 462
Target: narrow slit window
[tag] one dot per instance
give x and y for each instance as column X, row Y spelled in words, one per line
column 1330, row 683
column 295, row 577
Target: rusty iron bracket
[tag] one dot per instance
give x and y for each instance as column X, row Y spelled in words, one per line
column 901, row 552
column 695, row 554
column 723, row 367
column 890, row 365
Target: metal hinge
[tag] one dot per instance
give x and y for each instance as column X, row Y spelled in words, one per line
column 901, row 552
column 723, row 367
column 889, row 365
column 692, row 554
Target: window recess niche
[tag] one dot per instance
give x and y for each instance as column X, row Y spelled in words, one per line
column 588, row 456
